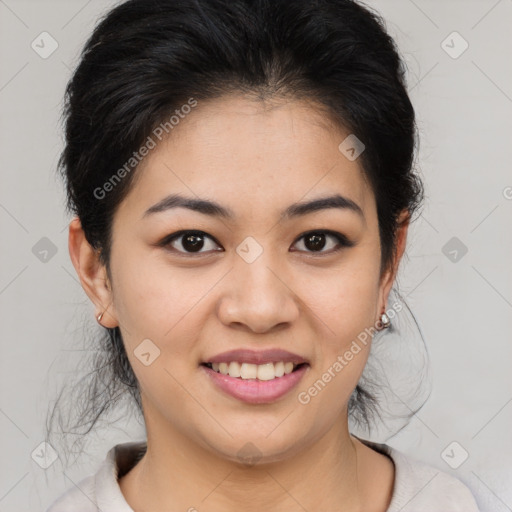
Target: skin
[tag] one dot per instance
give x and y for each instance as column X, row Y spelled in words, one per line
column 256, row 159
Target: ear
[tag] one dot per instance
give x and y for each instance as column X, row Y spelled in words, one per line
column 388, row 278
column 92, row 274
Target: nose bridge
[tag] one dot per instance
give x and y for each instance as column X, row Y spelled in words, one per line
column 259, row 297
column 261, row 277
column 255, row 259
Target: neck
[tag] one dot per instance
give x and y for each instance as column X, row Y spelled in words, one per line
column 179, row 474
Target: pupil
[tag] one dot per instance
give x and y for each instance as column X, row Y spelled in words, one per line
column 315, row 242
column 193, row 243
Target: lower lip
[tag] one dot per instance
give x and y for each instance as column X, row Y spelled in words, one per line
column 254, row 391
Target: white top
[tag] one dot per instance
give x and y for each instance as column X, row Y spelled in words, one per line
column 417, row 487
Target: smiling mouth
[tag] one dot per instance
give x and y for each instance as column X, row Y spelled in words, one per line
column 248, row 371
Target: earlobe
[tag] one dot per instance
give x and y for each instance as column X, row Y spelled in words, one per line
column 92, row 274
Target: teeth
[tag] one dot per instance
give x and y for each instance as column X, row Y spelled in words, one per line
column 234, row 369
column 248, row 371
column 279, row 369
column 267, row 371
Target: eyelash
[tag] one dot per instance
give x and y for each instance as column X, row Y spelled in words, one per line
column 343, row 241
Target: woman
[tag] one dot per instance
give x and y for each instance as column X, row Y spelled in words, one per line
column 241, row 177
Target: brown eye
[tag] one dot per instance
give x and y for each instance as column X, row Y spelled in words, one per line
column 190, row 241
column 316, row 241
column 198, row 242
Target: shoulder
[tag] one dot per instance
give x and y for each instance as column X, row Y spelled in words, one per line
column 420, row 487
column 101, row 491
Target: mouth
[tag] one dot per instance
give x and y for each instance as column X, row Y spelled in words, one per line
column 255, row 376
column 249, row 371
column 255, row 383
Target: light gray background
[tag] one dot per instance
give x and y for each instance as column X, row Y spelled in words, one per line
column 464, row 109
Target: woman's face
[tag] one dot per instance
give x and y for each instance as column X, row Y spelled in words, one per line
column 252, row 281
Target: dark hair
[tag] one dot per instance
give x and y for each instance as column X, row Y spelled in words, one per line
column 147, row 58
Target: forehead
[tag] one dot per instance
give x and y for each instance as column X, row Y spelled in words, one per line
column 251, row 156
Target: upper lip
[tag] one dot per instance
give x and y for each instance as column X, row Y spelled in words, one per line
column 256, row 356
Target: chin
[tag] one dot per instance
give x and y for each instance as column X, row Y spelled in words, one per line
column 257, row 446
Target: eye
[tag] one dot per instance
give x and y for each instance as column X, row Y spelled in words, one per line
column 191, row 241
column 315, row 241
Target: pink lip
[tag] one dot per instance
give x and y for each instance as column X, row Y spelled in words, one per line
column 256, row 391
column 256, row 356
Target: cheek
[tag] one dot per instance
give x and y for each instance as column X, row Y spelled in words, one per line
column 162, row 305
column 155, row 301
column 344, row 303
column 345, row 298
column 344, row 308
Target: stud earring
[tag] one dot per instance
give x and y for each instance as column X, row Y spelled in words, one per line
column 384, row 320
column 99, row 317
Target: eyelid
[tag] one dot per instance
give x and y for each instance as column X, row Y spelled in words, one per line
column 167, row 240
column 343, row 241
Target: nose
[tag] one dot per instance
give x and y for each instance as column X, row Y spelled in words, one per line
column 258, row 296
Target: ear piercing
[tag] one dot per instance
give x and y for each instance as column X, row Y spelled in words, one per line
column 385, row 321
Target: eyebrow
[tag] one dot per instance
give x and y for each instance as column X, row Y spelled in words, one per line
column 214, row 209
